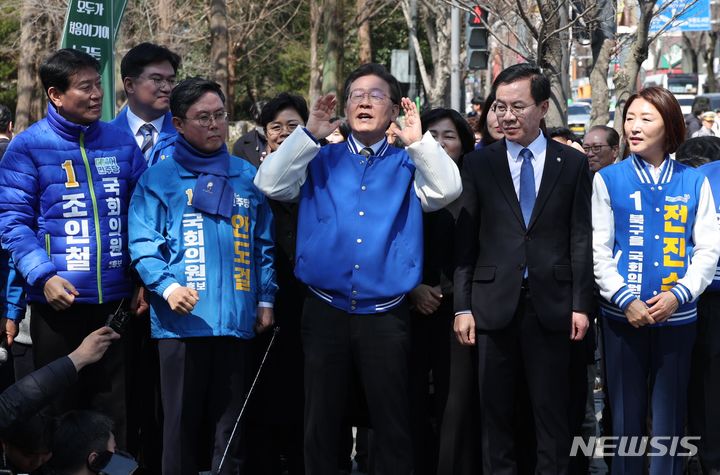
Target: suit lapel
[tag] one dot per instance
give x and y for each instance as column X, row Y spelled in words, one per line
column 551, row 171
column 501, row 171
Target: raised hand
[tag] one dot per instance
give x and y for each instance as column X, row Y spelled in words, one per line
column 323, row 110
column 412, row 131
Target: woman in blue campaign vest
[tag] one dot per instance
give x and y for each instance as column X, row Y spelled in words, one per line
column 655, row 243
column 201, row 240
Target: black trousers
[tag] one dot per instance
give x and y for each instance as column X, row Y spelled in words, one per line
column 704, row 394
column 202, row 377
column 459, row 434
column 378, row 346
column 429, row 367
column 145, row 407
column 101, row 386
column 524, row 350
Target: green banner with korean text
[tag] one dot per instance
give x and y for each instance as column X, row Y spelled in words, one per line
column 91, row 26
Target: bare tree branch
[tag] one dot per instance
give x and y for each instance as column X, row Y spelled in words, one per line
column 667, row 25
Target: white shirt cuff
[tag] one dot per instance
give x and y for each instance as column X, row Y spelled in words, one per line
column 170, row 289
column 265, row 304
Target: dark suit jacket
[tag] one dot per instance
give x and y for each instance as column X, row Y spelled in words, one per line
column 493, row 246
column 250, row 147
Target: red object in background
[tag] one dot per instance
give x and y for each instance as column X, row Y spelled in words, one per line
column 476, row 17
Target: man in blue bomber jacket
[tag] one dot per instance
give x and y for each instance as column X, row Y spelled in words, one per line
column 201, row 240
column 359, row 250
column 65, row 187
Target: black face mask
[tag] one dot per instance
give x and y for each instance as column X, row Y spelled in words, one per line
column 113, row 463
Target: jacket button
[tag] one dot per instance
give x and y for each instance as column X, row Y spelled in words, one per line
column 527, row 238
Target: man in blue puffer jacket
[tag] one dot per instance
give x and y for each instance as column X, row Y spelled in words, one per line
column 65, row 186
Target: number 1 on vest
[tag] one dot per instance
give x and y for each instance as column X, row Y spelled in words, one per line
column 70, row 173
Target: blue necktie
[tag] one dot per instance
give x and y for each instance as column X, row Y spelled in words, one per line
column 527, row 185
column 147, row 133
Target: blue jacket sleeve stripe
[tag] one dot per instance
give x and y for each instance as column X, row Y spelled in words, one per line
column 682, row 293
column 623, row 298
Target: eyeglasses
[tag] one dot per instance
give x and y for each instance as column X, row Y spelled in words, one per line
column 594, row 148
column 276, row 128
column 160, row 81
column 206, row 119
column 376, row 96
column 502, row 109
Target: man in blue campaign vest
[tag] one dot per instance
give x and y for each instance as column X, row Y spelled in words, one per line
column 201, row 240
column 148, row 72
column 359, row 249
column 65, row 187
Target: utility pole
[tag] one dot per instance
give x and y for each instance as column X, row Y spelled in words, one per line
column 455, row 59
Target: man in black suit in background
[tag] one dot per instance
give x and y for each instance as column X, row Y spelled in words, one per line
column 524, row 279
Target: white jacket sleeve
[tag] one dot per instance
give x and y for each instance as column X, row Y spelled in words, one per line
column 706, row 237
column 284, row 171
column 607, row 276
column 437, row 178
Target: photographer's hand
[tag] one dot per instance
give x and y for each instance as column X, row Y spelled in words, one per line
column 8, row 330
column 93, row 347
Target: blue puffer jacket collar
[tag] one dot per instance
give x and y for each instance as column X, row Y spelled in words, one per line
column 70, row 130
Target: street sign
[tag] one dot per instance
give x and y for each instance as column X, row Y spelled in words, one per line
column 696, row 18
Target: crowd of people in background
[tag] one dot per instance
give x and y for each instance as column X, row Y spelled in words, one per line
column 427, row 292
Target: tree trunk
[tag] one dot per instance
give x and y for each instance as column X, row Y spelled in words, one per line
column 166, row 10
column 364, row 44
column 230, row 103
column 711, row 84
column 219, row 44
column 315, row 88
column 550, row 54
column 626, row 78
column 26, row 82
column 332, row 69
column 438, row 24
column 691, row 52
column 598, row 85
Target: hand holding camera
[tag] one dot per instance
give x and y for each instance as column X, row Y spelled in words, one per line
column 93, row 347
